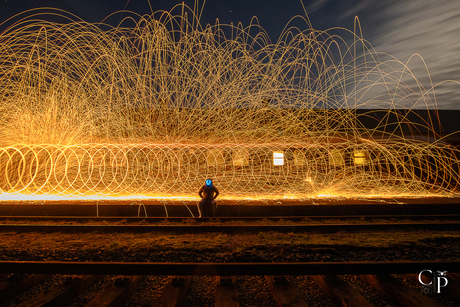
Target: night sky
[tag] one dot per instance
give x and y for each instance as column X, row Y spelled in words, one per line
column 398, row 27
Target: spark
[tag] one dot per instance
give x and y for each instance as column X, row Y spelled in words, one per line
column 153, row 110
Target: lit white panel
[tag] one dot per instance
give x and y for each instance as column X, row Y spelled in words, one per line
column 278, row 158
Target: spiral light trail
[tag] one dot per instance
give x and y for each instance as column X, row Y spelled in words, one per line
column 155, row 108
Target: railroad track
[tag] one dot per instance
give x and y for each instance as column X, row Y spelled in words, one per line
column 228, row 225
column 131, row 219
column 228, row 229
column 126, row 279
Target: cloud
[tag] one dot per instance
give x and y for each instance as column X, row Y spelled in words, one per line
column 432, row 30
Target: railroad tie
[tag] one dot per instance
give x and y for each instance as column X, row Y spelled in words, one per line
column 17, row 283
column 452, row 290
column 340, row 292
column 64, row 292
column 398, row 292
column 175, row 292
column 117, row 292
column 284, row 293
column 226, row 292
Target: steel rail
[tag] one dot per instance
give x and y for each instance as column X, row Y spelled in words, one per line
column 225, row 219
column 226, row 269
column 324, row 228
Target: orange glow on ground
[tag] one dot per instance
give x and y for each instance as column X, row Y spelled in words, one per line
column 18, row 197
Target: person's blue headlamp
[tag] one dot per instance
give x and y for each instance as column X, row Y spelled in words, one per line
column 209, row 182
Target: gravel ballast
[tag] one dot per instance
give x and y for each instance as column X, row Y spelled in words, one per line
column 218, row 247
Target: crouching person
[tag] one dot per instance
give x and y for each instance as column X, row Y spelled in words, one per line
column 208, row 194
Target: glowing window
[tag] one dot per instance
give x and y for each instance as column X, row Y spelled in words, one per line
column 299, row 158
column 336, row 157
column 360, row 157
column 278, row 158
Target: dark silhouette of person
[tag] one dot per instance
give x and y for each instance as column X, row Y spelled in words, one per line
column 208, row 193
